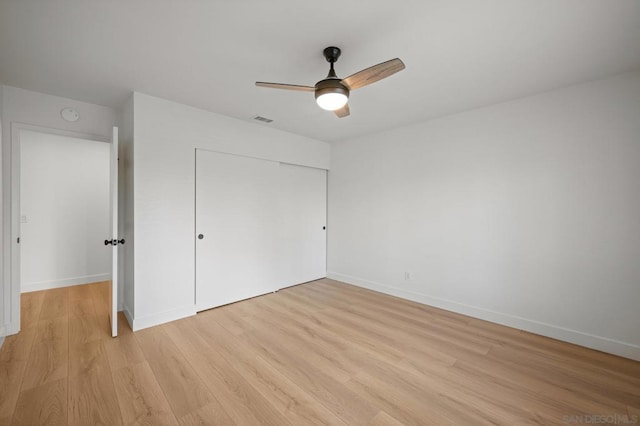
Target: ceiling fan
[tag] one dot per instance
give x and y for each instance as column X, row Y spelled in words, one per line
column 332, row 93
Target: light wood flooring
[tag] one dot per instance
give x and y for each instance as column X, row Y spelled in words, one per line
column 318, row 353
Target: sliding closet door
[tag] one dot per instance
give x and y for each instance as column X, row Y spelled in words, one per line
column 303, row 217
column 237, row 228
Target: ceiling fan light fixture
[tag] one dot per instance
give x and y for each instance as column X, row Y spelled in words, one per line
column 332, row 101
column 331, row 95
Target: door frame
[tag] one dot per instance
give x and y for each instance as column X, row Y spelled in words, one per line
column 14, row 217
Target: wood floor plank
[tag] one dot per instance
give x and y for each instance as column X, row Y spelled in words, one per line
column 383, row 419
column 93, row 400
column 591, row 373
column 13, row 360
column 100, row 295
column 81, row 307
column 140, row 398
column 43, row 405
column 86, row 358
column 78, row 292
column 404, row 334
column 329, row 342
column 49, row 357
column 579, row 386
column 398, row 403
column 353, row 336
column 17, row 347
column 210, row 414
column 288, row 398
column 542, row 404
column 156, row 345
column 234, row 324
column 312, row 329
column 87, row 328
column 123, row 351
column 55, row 304
column 327, row 361
column 445, row 399
column 185, row 391
column 331, row 393
column 30, row 307
column 242, row 402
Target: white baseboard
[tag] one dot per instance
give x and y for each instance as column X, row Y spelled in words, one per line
column 600, row 343
column 66, row 282
column 161, row 318
column 1, row 341
column 12, row 328
column 127, row 314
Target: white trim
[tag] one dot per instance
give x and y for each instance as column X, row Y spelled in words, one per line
column 12, row 328
column 161, row 318
column 59, row 132
column 113, row 199
column 624, row 349
column 1, row 339
column 127, row 314
column 65, row 282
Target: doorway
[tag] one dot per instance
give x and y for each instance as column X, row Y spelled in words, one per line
column 63, row 198
column 64, row 211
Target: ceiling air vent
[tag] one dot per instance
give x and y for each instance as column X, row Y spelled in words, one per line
column 263, row 119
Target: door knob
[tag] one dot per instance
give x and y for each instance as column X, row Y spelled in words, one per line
column 114, row 242
column 200, row 236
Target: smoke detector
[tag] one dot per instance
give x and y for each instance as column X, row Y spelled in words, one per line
column 70, row 114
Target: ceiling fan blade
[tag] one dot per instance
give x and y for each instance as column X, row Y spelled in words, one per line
column 342, row 112
column 373, row 74
column 286, row 86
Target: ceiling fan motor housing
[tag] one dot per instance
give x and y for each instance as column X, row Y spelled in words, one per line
column 331, row 85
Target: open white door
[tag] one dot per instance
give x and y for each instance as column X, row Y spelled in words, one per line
column 113, row 184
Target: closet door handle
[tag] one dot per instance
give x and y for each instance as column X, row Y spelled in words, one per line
column 200, row 236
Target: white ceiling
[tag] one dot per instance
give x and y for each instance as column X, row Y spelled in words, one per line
column 460, row 54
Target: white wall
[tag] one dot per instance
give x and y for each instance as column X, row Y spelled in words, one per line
column 166, row 135
column 64, row 208
column 525, row 213
column 21, row 106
